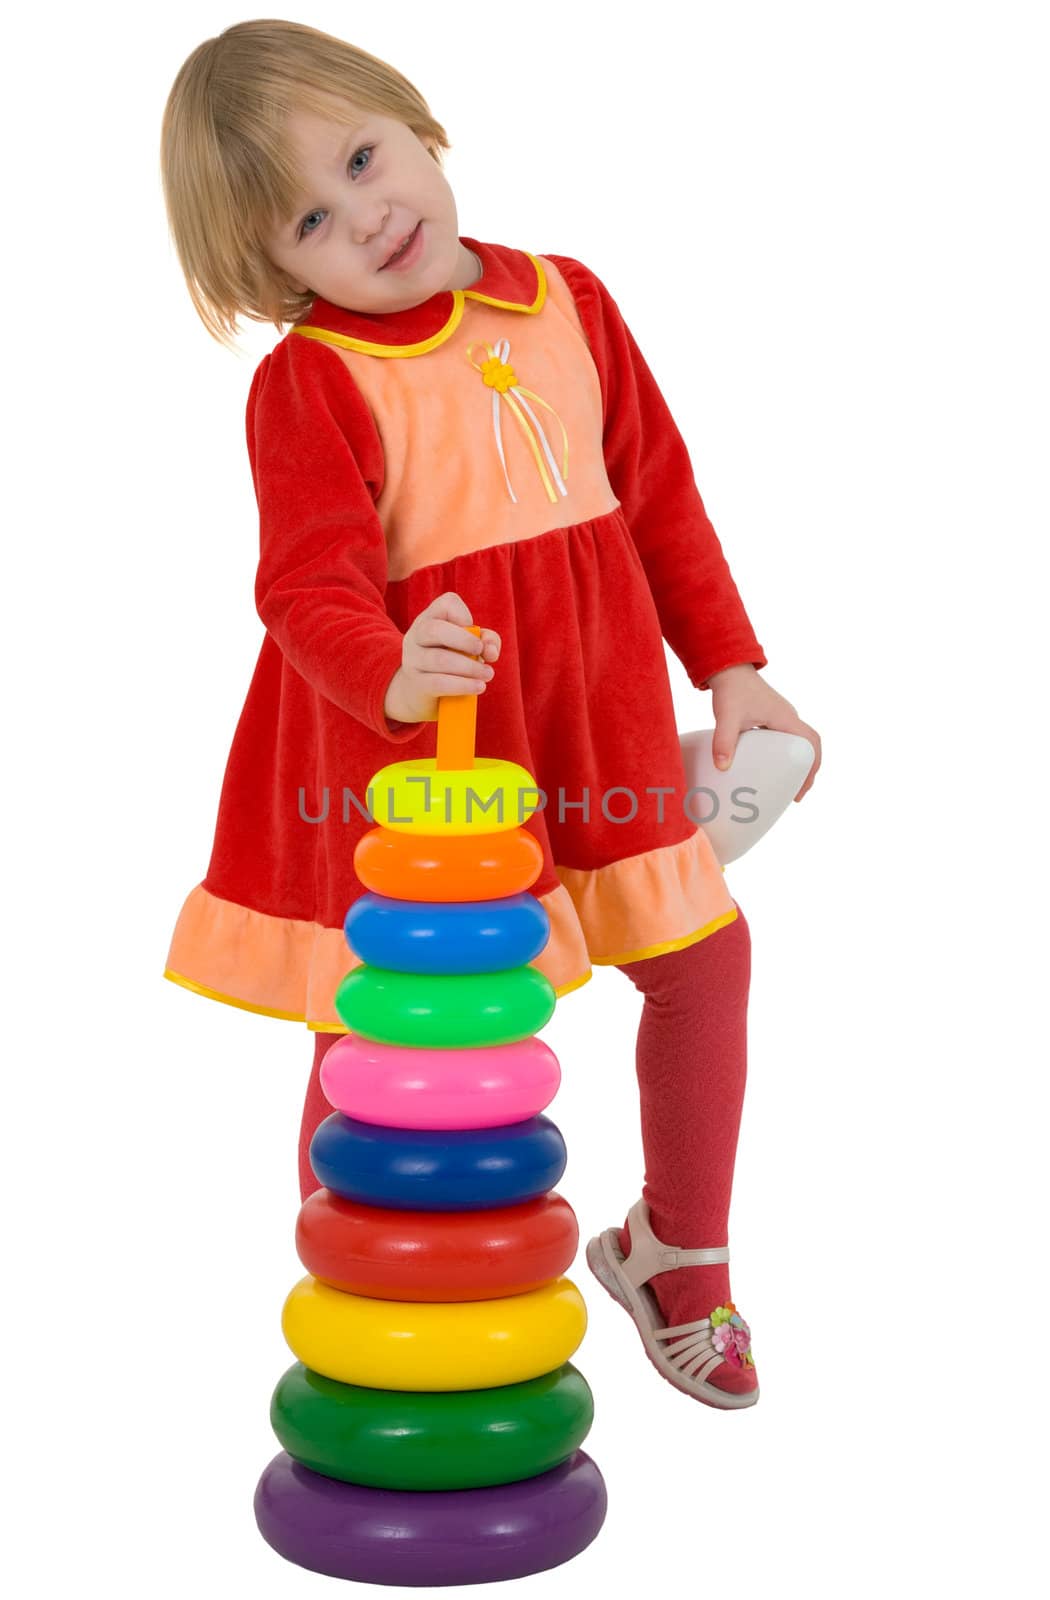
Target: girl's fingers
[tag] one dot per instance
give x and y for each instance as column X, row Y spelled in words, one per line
column 440, row 633
column 442, row 683
column 435, row 660
column 451, row 606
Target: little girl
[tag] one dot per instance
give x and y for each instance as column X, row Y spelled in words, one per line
column 449, row 430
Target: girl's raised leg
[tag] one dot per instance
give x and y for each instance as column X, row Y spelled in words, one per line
column 691, row 1063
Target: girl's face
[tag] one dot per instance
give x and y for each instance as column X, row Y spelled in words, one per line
column 365, row 188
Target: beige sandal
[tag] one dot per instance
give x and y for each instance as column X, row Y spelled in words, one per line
column 685, row 1355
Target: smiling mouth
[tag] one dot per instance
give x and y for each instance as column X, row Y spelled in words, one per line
column 400, row 252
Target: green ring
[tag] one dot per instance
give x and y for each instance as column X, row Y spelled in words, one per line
column 444, row 1010
column 456, row 1439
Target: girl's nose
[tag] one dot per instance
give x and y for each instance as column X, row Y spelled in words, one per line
column 370, row 226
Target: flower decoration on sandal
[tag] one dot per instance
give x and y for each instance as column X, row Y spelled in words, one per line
column 731, row 1336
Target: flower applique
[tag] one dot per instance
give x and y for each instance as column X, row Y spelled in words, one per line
column 500, row 377
column 731, row 1336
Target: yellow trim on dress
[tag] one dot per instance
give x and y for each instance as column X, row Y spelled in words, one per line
column 367, row 348
column 515, row 305
column 673, row 944
column 228, row 1000
column 577, row 983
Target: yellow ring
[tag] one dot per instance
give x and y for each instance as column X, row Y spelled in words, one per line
column 410, row 1344
column 489, row 797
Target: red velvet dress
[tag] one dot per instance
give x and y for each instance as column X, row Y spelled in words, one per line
column 507, row 442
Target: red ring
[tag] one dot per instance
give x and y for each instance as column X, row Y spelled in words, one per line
column 436, row 1255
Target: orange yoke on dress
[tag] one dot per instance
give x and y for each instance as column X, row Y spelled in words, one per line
column 507, row 442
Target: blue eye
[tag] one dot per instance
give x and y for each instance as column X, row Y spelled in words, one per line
column 365, row 149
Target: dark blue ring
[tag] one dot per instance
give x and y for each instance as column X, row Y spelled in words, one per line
column 421, row 1169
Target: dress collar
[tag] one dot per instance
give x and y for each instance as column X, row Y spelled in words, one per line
column 514, row 280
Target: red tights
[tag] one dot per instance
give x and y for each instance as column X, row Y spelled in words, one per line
column 691, row 1063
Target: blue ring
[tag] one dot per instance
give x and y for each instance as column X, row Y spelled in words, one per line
column 422, row 1169
column 447, row 936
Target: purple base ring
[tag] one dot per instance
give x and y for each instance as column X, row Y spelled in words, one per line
column 426, row 1538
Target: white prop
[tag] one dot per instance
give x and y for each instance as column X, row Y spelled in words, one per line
column 737, row 806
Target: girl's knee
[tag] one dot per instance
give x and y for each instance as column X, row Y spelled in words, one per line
column 722, row 958
column 740, row 930
column 735, row 952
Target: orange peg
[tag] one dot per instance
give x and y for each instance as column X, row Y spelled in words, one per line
column 457, row 727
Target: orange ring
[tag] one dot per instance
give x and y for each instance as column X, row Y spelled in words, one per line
column 413, row 866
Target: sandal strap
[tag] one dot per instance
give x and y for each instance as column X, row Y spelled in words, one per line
column 713, row 1257
column 694, row 1353
column 700, row 1328
column 649, row 1255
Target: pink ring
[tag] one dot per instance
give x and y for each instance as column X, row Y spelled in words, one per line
column 399, row 1086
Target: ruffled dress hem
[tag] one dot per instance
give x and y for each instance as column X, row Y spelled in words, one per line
column 629, row 910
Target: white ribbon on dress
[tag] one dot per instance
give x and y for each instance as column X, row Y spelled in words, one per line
column 500, row 377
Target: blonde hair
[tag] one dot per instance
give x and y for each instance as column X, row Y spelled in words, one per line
column 225, row 165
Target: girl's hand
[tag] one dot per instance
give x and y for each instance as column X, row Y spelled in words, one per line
column 431, row 666
column 741, row 699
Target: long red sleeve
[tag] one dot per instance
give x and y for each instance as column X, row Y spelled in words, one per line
column 317, row 464
column 701, row 614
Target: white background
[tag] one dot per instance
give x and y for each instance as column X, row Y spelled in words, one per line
column 826, row 226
